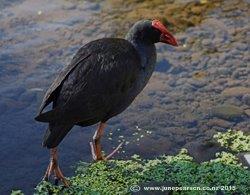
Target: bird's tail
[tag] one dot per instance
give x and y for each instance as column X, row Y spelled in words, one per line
column 55, row 134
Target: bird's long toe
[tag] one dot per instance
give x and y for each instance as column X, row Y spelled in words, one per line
column 97, row 155
column 53, row 167
column 59, row 177
column 114, row 151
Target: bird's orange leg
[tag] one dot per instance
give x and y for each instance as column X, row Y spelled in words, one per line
column 54, row 167
column 95, row 145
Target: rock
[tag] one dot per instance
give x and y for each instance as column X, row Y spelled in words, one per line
column 240, row 73
column 177, row 69
column 227, row 112
column 165, row 100
column 233, row 101
column 69, row 7
column 241, row 46
column 203, row 150
column 246, row 99
column 189, row 120
column 218, row 41
column 187, row 88
column 163, row 66
column 197, row 83
column 193, row 130
column 146, row 104
column 244, row 159
column 212, row 62
column 219, row 123
column 224, row 71
column 206, row 42
column 232, row 83
column 236, row 91
column 200, row 75
column 247, row 111
column 181, row 141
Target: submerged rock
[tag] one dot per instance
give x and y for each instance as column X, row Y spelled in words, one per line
column 247, row 111
column 236, row 91
column 219, row 123
column 227, row 112
column 203, row 150
column 246, row 99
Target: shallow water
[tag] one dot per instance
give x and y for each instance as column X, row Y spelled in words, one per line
column 193, row 93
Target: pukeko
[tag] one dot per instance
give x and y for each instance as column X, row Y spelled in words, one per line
column 102, row 80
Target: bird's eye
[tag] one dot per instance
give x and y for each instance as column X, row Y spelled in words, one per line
column 156, row 31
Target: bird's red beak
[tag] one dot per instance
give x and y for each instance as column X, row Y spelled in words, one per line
column 166, row 36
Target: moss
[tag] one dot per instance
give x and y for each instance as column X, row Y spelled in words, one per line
column 177, row 16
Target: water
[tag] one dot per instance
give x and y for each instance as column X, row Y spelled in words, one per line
column 38, row 38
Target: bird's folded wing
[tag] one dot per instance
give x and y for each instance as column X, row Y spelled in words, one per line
column 94, row 82
column 49, row 96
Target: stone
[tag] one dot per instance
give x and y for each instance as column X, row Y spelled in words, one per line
column 189, row 119
column 206, row 42
column 236, row 91
column 227, row 112
column 224, row 71
column 244, row 159
column 246, row 99
column 240, row 73
column 218, row 41
column 219, row 123
column 69, row 7
column 177, row 69
column 241, row 46
column 193, row 130
column 203, row 150
column 212, row 62
column 163, row 66
column 247, row 111
column 197, row 83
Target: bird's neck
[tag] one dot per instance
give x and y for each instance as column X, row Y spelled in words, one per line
column 147, row 51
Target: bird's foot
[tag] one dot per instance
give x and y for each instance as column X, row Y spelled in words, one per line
column 97, row 154
column 53, row 167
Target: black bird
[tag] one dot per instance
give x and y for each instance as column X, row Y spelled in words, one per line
column 102, row 80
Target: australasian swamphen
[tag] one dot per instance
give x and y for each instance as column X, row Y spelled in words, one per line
column 102, row 80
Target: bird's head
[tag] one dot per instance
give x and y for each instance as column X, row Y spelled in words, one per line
column 151, row 31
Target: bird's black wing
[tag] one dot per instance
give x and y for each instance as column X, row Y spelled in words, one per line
column 55, row 86
column 95, row 81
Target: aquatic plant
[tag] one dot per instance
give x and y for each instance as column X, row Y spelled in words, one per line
column 234, row 140
column 117, row 176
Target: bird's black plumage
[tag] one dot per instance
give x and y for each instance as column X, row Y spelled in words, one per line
column 101, row 81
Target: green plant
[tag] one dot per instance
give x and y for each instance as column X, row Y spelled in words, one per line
column 116, row 176
column 234, row 140
column 17, row 192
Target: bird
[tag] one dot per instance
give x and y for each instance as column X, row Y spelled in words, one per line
column 100, row 82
